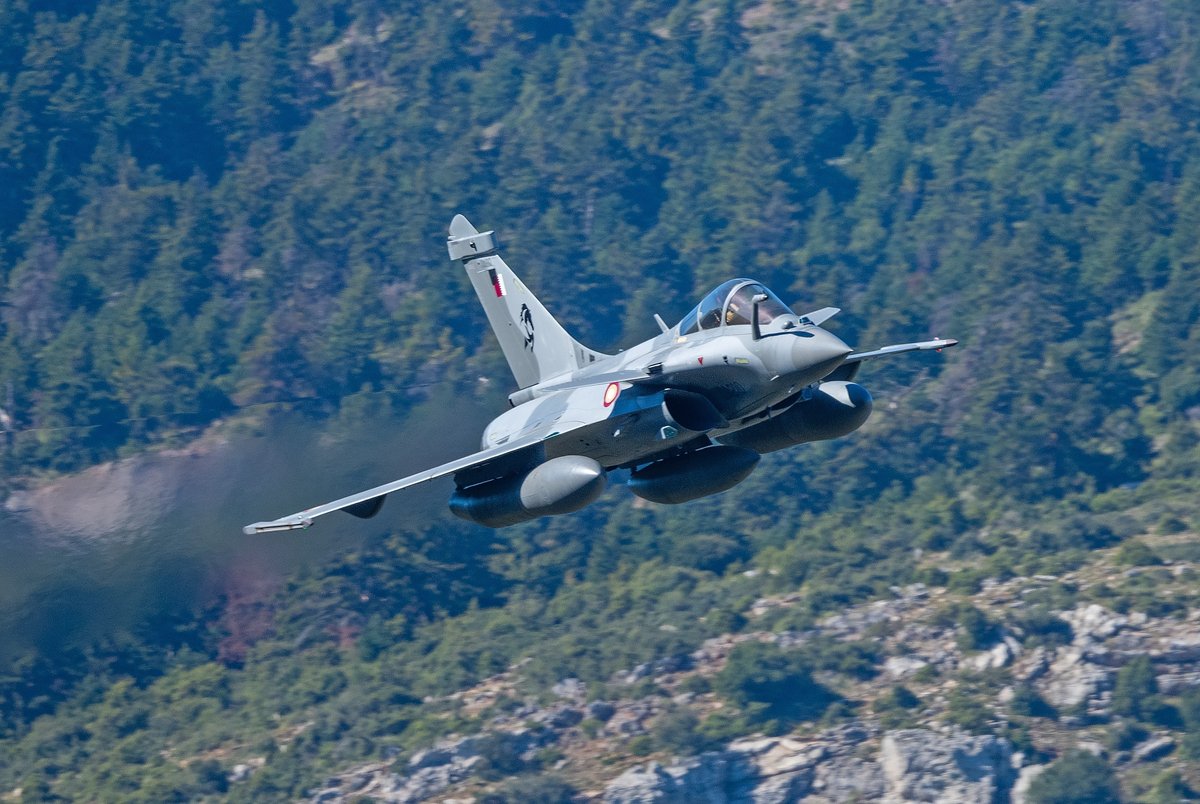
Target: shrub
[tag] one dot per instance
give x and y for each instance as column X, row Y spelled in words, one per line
column 1043, row 627
column 1136, row 553
column 894, row 707
column 642, row 745
column 724, row 725
column 695, row 684
column 1027, row 703
column 499, row 756
column 1079, row 777
column 856, row 659
column 676, row 731
column 975, row 630
column 1169, row 788
column 772, row 684
column 1125, row 735
column 1135, row 683
column 967, row 712
column 545, row 789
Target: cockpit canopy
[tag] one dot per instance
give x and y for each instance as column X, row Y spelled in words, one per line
column 731, row 303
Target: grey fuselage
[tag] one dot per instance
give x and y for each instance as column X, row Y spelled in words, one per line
column 742, row 378
column 688, row 412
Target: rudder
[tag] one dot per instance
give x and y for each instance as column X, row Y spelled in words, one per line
column 534, row 343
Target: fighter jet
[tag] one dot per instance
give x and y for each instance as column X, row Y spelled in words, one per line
column 687, row 413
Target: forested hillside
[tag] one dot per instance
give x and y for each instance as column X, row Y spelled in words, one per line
column 210, row 208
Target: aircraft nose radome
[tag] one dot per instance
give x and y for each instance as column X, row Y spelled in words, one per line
column 822, row 352
column 821, row 347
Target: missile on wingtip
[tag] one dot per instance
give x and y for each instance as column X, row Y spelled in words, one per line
column 277, row 525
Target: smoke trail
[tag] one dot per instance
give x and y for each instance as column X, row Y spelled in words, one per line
column 160, row 536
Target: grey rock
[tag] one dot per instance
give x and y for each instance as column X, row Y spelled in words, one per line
column 1070, row 681
column 898, row 667
column 999, row 655
column 763, row 771
column 446, row 752
column 636, row 674
column 630, row 718
column 697, row 780
column 1033, row 665
column 428, row 782
column 921, row 765
column 571, row 688
column 1174, row 683
column 1180, row 651
column 1020, row 789
column 672, row 664
column 847, row 779
column 430, row 758
column 1093, row 623
column 1154, row 748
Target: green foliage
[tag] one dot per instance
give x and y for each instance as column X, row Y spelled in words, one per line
column 499, row 756
column 772, row 684
column 1135, row 685
column 1124, row 735
column 1168, row 788
column 696, row 685
column 974, row 630
column 1079, row 777
column 967, row 712
column 1136, row 553
column 641, row 745
column 895, row 707
column 1042, row 627
column 542, row 789
column 1189, row 712
column 858, row 659
column 677, row 731
column 725, row 725
column 1026, row 702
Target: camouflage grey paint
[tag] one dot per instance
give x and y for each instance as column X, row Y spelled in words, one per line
column 688, row 410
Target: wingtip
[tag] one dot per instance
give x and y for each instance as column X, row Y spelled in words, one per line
column 276, row 525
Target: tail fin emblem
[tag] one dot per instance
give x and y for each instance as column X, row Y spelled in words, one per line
column 527, row 322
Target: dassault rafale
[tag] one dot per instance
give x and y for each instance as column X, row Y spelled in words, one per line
column 688, row 413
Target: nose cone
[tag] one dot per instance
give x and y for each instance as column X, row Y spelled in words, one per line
column 817, row 355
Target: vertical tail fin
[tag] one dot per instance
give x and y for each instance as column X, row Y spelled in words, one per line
column 535, row 345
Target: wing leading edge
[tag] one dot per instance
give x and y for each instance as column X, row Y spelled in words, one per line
column 367, row 503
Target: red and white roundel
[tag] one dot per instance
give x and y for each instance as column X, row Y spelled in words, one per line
column 611, row 393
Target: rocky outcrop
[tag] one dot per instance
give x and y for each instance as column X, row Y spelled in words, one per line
column 429, row 772
column 920, row 765
column 916, row 646
column 1020, row 789
column 911, row 766
column 1071, row 681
